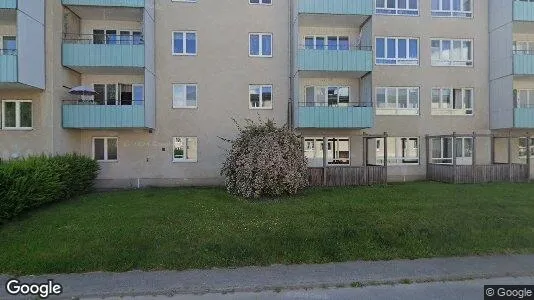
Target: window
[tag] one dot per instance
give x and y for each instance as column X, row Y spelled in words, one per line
column 184, row 96
column 117, row 37
column 105, row 149
column 260, row 44
column 524, row 98
column 8, row 45
column 184, row 43
column 452, row 8
column 327, row 96
column 452, row 52
column 185, row 149
column 326, row 43
column 397, row 7
column 401, row 150
column 523, row 147
column 17, row 115
column 397, row 51
column 442, row 150
column 397, row 101
column 264, row 2
column 260, row 96
column 118, row 94
column 338, row 151
column 447, row 101
column 523, row 47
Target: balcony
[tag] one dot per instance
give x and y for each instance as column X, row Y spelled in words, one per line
column 91, row 53
column 8, row 4
column 111, row 3
column 349, row 116
column 523, row 62
column 86, row 115
column 523, row 11
column 336, row 7
column 524, row 117
column 8, row 67
column 357, row 59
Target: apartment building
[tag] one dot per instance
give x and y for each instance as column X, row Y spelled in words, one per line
column 365, row 82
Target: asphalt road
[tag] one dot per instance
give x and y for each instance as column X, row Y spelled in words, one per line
column 471, row 289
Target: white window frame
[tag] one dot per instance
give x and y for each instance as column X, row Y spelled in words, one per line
column 260, row 2
column 402, row 111
column 106, row 154
column 450, row 62
column 317, row 161
column 185, row 85
column 399, row 61
column 260, row 35
column 325, row 45
column 17, row 115
column 184, row 41
column 519, row 102
column 186, row 149
column 398, row 160
column 324, row 102
column 451, row 111
column 451, row 13
column 396, row 11
column 522, row 149
column 463, row 159
column 261, row 87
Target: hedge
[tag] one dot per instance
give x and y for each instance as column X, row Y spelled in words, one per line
column 31, row 182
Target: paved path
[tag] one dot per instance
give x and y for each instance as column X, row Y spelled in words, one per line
column 254, row 279
column 471, row 290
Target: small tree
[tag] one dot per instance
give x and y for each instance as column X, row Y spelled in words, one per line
column 265, row 161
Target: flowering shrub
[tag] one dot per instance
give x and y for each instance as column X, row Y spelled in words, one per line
column 265, row 161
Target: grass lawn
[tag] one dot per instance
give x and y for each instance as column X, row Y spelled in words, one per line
column 202, row 228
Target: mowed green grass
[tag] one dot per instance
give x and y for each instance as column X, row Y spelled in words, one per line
column 188, row 228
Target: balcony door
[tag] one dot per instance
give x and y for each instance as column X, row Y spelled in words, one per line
column 9, row 45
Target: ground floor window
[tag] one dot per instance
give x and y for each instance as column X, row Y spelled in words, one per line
column 523, row 147
column 338, row 151
column 17, row 114
column 401, row 150
column 105, row 148
column 442, row 150
column 185, row 149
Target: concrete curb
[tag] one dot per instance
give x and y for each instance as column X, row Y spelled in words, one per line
column 252, row 279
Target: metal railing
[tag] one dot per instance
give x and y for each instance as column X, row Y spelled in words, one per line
column 8, row 51
column 334, row 104
column 335, row 47
column 122, row 102
column 104, row 39
column 524, row 52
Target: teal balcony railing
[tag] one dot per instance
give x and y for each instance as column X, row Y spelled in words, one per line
column 523, row 62
column 355, row 59
column 8, row 66
column 84, row 115
column 524, row 117
column 336, row 7
column 102, row 50
column 342, row 116
column 117, row 3
column 523, row 11
column 8, row 4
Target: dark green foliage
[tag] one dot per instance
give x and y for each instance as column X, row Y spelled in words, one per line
column 34, row 181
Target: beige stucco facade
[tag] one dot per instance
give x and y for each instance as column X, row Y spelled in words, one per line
column 222, row 71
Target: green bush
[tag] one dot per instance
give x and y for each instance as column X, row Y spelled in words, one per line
column 34, row 181
column 265, row 161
